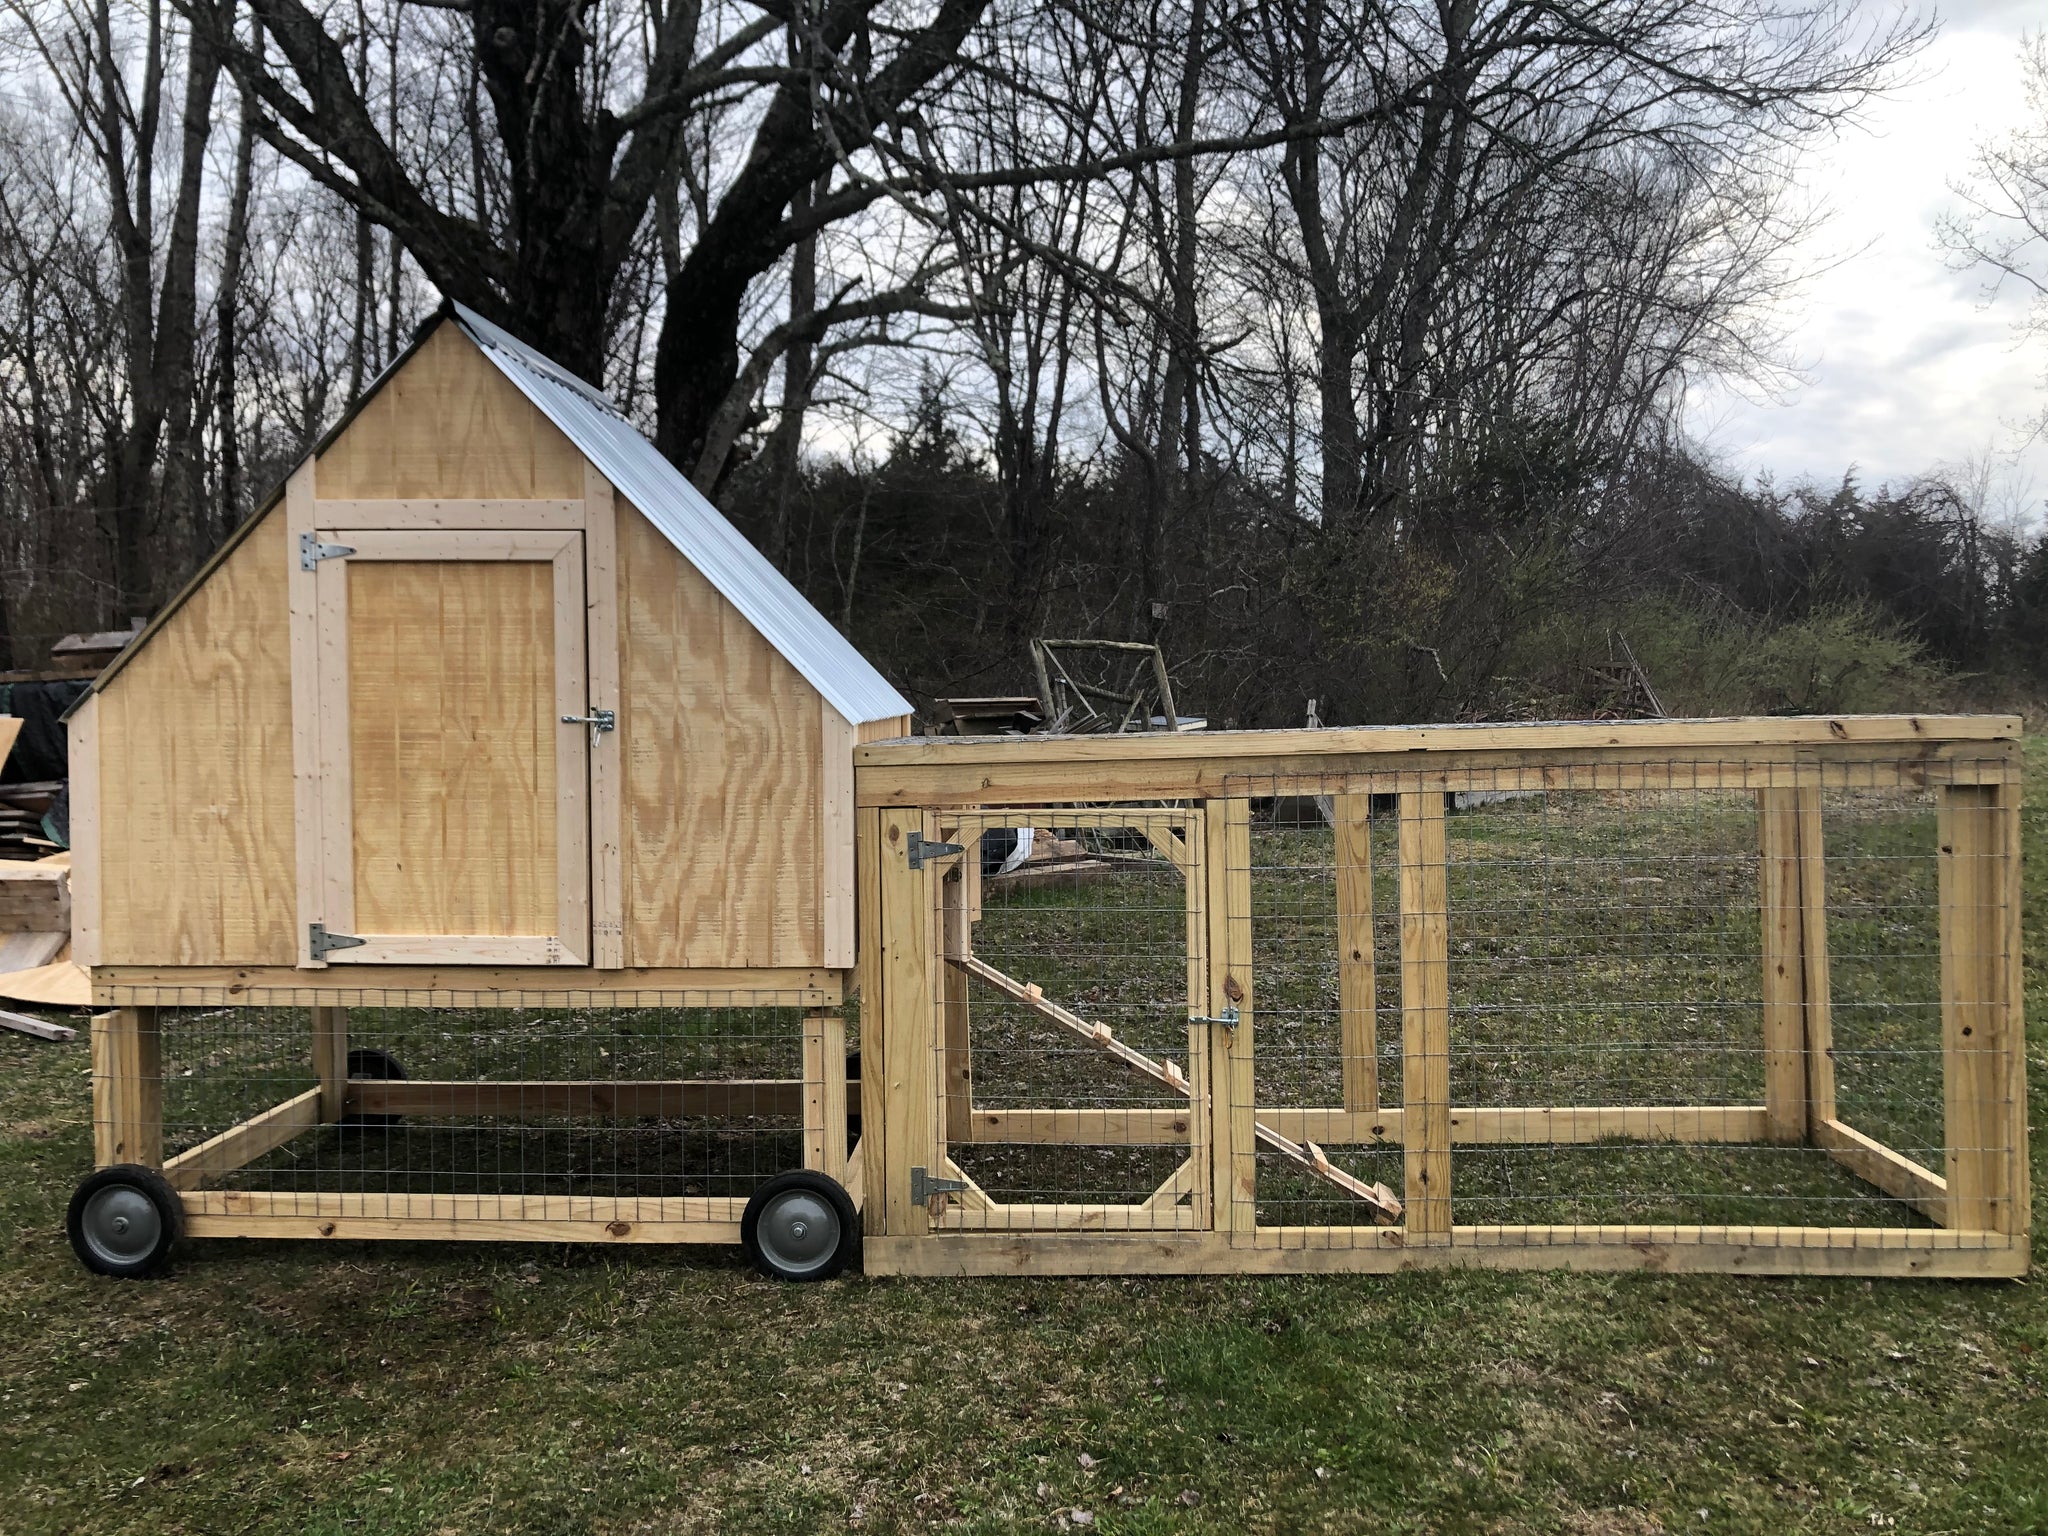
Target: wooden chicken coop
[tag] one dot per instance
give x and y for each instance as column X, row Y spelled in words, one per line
column 480, row 814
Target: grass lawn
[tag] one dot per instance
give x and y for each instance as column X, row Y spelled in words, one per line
column 423, row 1388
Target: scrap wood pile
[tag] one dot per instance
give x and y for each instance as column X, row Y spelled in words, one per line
column 24, row 812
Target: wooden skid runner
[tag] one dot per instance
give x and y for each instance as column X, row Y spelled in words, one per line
column 1305, row 1155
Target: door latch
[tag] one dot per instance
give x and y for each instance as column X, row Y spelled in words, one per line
column 1228, row 1018
column 598, row 720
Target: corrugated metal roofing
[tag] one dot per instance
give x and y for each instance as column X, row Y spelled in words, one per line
column 697, row 529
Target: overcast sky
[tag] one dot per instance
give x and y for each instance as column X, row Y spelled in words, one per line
column 1904, row 368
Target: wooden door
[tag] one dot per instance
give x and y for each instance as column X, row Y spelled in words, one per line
column 454, row 799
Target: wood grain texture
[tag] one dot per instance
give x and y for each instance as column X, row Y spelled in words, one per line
column 1425, row 1018
column 837, row 918
column 607, row 751
column 724, row 785
column 1984, row 1120
column 127, row 1088
column 452, row 734
column 1784, row 965
column 83, row 753
column 449, row 425
column 197, row 845
column 1813, row 944
column 1356, row 1001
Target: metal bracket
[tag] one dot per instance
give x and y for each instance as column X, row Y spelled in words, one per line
column 312, row 551
column 923, row 1186
column 920, row 850
column 321, row 942
column 598, row 720
column 1229, row 1017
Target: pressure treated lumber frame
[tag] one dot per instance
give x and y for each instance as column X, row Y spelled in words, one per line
column 128, row 1128
column 1979, row 1201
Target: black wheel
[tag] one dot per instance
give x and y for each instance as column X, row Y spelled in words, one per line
column 800, row 1226
column 372, row 1065
column 124, row 1221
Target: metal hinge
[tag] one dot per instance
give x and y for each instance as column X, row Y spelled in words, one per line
column 321, row 942
column 923, row 1186
column 312, row 551
column 920, row 850
column 1228, row 1017
column 598, row 720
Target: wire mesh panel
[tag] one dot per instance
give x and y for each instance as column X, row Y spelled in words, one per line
column 1628, row 1006
column 1069, row 956
column 592, row 1109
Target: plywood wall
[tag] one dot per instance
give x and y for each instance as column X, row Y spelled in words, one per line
column 449, row 424
column 195, row 740
column 723, row 791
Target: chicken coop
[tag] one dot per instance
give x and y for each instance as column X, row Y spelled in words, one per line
column 468, row 852
column 1724, row 995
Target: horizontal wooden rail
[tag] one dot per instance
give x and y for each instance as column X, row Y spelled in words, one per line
column 240, row 1145
column 1470, row 1125
column 477, row 1218
column 625, row 1100
column 1868, row 751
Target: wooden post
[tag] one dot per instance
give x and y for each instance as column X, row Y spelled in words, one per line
column 955, row 937
column 868, row 925
column 1784, row 967
column 1227, row 845
column 1355, row 997
column 906, row 1082
column 1983, row 1109
column 825, row 1093
column 1425, row 1018
column 1813, row 943
column 330, row 1060
column 127, row 1088
column 1202, row 1110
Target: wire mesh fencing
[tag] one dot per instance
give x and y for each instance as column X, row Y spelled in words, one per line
column 1745, row 1005
column 599, row 1105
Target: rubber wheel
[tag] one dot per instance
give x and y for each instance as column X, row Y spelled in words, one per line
column 372, row 1065
column 800, row 1226
column 124, row 1221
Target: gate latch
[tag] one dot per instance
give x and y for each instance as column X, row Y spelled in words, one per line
column 312, row 551
column 598, row 720
column 920, row 849
column 923, row 1186
column 1229, row 1017
column 321, row 942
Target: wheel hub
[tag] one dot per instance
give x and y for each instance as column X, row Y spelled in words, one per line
column 121, row 1224
column 799, row 1231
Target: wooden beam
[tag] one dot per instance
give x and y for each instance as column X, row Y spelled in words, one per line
column 1356, row 1000
column 1470, row 1125
column 1425, row 1017
column 1813, row 947
column 825, row 1093
column 1227, row 843
column 956, row 1079
column 127, row 1088
column 470, row 986
column 87, row 875
column 330, row 1059
column 598, row 516
column 873, row 1150
column 471, row 1218
column 435, row 514
column 42, row 1029
column 1872, row 1251
column 302, row 588
column 240, row 1145
column 909, row 1027
column 1874, row 1163
column 622, row 1099
column 1981, row 1115
column 1784, row 965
